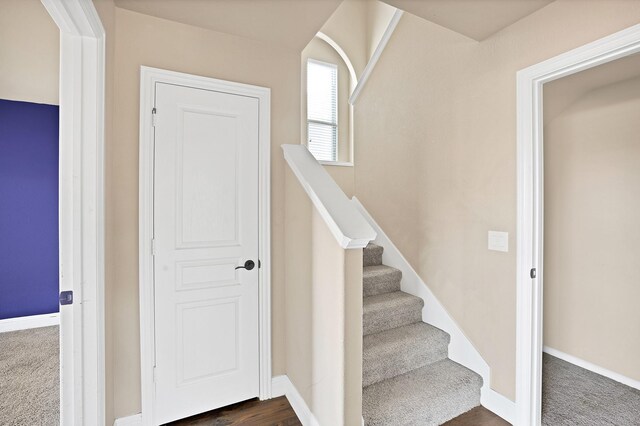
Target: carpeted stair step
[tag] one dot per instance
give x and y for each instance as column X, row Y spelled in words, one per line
column 378, row 279
column 372, row 255
column 390, row 310
column 397, row 351
column 430, row 395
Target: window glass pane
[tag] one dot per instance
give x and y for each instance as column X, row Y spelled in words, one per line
column 322, row 109
column 322, row 93
column 322, row 139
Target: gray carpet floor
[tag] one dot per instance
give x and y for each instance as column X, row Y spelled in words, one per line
column 29, row 377
column 574, row 396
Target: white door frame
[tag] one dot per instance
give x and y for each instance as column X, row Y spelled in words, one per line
column 530, row 158
column 148, row 78
column 81, row 209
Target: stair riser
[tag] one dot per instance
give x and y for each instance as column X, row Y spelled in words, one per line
column 382, row 284
column 384, row 366
column 372, row 256
column 376, row 322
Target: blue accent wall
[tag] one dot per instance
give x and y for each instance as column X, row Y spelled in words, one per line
column 28, row 209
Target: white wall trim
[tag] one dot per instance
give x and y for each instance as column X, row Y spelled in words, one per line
column 31, row 321
column 345, row 222
column 352, row 72
column 282, row 386
column 393, row 23
column 593, row 367
column 461, row 349
column 530, row 206
column 135, row 420
column 81, row 210
column 148, row 78
column 336, row 163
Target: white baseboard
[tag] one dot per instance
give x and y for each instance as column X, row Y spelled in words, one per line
column 25, row 323
column 498, row 404
column 592, row 367
column 135, row 420
column 281, row 385
column 461, row 350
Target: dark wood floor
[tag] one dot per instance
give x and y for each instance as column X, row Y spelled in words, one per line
column 278, row 412
column 273, row 412
column 479, row 416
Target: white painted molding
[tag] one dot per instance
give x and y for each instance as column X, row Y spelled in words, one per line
column 336, row 163
column 345, row 222
column 530, row 210
column 352, row 72
column 461, row 350
column 32, row 321
column 498, row 404
column 148, row 78
column 135, row 420
column 281, row 385
column 393, row 23
column 592, row 367
column 81, row 210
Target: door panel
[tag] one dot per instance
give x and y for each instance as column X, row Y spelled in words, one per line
column 205, row 224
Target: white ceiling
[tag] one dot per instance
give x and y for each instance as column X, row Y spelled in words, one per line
column 560, row 94
column 287, row 23
column 477, row 19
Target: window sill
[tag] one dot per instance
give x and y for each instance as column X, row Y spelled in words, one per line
column 336, row 163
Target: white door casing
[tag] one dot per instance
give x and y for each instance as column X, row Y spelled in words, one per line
column 81, row 210
column 204, row 204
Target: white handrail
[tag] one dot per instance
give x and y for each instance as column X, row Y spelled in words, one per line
column 346, row 223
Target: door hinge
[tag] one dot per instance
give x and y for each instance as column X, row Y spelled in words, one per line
column 533, row 273
column 154, row 117
column 154, row 373
column 153, row 247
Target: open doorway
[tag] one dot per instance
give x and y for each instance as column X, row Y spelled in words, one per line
column 590, row 369
column 531, row 216
column 78, row 32
column 29, row 231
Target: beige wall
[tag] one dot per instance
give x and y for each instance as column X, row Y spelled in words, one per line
column 436, row 156
column 29, row 52
column 592, row 237
column 347, row 26
column 379, row 15
column 144, row 40
column 323, row 313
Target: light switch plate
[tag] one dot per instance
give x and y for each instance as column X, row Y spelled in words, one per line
column 499, row 241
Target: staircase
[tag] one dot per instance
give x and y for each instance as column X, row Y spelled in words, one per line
column 407, row 377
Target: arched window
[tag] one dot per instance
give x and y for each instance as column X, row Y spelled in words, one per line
column 327, row 116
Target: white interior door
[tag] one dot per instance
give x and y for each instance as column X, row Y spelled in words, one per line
column 205, row 225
